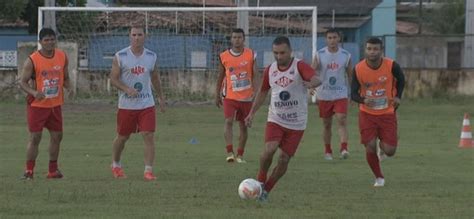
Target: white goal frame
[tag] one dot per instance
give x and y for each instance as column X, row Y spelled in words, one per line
column 312, row 9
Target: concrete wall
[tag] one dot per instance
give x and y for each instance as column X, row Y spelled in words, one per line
column 384, row 23
column 200, row 85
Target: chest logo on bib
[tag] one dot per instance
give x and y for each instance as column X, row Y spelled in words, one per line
column 283, row 81
column 137, row 70
column 138, row 86
column 285, row 95
column 332, row 80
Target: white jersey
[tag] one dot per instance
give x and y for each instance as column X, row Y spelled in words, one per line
column 332, row 69
column 289, row 99
column 135, row 72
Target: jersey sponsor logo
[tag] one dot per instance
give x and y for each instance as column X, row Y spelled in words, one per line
column 380, row 92
column 382, row 78
column 231, row 69
column 332, row 66
column 137, row 70
column 284, row 95
column 290, row 117
column 243, row 63
column 283, row 81
column 286, row 104
column 332, row 80
column 243, row 74
column 57, row 67
column 138, row 86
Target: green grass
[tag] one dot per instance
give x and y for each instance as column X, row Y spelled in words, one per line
column 429, row 177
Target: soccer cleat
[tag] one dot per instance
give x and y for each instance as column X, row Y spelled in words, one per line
column 148, row 176
column 230, row 157
column 28, row 175
column 379, row 182
column 328, row 156
column 118, row 173
column 240, row 159
column 55, row 175
column 263, row 198
column 344, row 154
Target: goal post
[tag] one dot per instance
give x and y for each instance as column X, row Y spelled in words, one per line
column 187, row 40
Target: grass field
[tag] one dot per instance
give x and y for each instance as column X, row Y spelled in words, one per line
column 429, row 177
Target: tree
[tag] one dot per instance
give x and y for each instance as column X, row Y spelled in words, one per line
column 12, row 9
column 448, row 18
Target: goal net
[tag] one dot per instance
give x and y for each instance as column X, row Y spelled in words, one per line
column 187, row 41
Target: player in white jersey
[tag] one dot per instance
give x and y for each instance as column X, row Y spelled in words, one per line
column 334, row 65
column 134, row 72
column 289, row 80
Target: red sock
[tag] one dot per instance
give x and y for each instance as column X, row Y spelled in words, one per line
column 269, row 184
column 230, row 148
column 30, row 165
column 262, row 176
column 374, row 163
column 53, row 166
column 240, row 151
column 327, row 149
column 344, row 146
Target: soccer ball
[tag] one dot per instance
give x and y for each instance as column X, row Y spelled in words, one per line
column 250, row 189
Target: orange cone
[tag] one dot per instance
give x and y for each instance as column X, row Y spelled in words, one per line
column 466, row 134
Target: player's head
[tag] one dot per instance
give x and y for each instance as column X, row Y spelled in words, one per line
column 137, row 35
column 47, row 39
column 282, row 50
column 237, row 38
column 373, row 49
column 333, row 38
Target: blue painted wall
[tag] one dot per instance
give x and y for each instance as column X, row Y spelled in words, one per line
column 384, row 23
column 9, row 42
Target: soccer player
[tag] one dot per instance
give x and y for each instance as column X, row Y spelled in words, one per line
column 134, row 72
column 289, row 80
column 334, row 65
column 377, row 85
column 47, row 70
column 238, row 68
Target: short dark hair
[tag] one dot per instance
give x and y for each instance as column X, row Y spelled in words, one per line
column 282, row 40
column 374, row 40
column 136, row 26
column 239, row 30
column 46, row 32
column 332, row 30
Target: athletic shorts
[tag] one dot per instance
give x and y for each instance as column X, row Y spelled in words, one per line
column 288, row 139
column 39, row 118
column 328, row 108
column 236, row 109
column 133, row 121
column 383, row 127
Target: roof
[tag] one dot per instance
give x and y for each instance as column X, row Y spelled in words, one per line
column 325, row 7
column 16, row 24
column 189, row 3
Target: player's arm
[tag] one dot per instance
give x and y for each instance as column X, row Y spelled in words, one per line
column 355, row 87
column 115, row 79
column 400, row 83
column 155, row 81
column 220, row 78
column 260, row 98
column 27, row 72
column 349, row 69
column 67, row 82
column 310, row 78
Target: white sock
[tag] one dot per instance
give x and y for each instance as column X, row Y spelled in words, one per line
column 148, row 169
column 116, row 164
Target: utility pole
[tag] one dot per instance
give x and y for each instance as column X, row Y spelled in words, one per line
column 420, row 16
column 50, row 16
column 469, row 37
column 243, row 16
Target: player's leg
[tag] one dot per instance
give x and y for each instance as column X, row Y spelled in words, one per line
column 36, row 118
column 388, row 134
column 229, row 115
column 326, row 113
column 126, row 125
column 244, row 110
column 273, row 136
column 340, row 110
column 55, row 127
column 288, row 146
column 368, row 131
column 146, row 126
column 327, row 135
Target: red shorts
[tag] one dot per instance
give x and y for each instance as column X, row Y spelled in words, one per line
column 382, row 126
column 289, row 139
column 328, row 108
column 132, row 121
column 236, row 109
column 38, row 118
